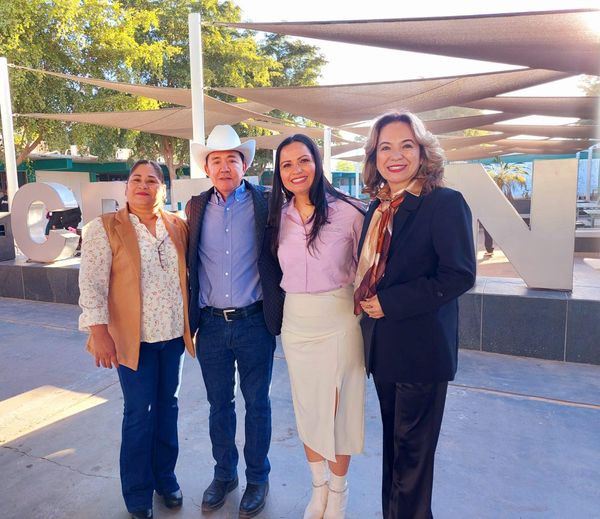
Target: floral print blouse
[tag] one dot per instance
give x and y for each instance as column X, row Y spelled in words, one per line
column 162, row 301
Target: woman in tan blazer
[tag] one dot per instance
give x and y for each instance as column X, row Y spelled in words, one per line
column 133, row 296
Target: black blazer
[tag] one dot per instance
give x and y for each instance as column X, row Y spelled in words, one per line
column 268, row 267
column 431, row 262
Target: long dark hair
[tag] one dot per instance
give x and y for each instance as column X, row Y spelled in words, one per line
column 320, row 188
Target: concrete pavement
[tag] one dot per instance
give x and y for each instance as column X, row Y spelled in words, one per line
column 520, row 439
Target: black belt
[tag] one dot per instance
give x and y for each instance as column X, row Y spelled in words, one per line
column 232, row 314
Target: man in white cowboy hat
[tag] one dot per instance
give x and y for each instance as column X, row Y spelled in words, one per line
column 236, row 308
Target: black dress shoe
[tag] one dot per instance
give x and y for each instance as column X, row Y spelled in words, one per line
column 214, row 496
column 172, row 499
column 253, row 500
column 142, row 514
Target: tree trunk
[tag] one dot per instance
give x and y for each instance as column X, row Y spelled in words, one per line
column 166, row 150
column 28, row 149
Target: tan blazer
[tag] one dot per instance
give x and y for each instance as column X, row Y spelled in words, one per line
column 124, row 292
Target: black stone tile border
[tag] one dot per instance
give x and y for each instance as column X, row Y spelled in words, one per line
column 498, row 315
column 53, row 283
column 502, row 315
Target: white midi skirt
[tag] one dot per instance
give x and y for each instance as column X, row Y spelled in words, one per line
column 323, row 347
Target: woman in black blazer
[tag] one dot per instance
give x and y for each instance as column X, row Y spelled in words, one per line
column 416, row 258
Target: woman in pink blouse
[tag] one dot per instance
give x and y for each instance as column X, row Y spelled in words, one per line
column 315, row 231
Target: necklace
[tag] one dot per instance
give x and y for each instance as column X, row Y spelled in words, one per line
column 306, row 213
column 305, row 209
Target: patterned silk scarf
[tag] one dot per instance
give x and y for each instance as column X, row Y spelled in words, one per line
column 376, row 245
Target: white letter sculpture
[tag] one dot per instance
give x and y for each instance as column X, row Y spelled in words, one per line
column 542, row 255
column 29, row 223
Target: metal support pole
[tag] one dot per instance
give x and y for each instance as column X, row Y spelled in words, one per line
column 8, row 139
column 327, row 153
column 197, row 86
column 588, row 178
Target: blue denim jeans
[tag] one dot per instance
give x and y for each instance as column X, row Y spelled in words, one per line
column 222, row 345
column 149, row 444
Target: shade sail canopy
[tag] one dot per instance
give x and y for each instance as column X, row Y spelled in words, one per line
column 176, row 96
column 355, row 101
column 354, row 158
column 548, row 146
column 344, row 104
column 580, row 107
column 266, row 142
column 314, row 132
column 254, row 107
column 450, row 143
column 172, row 122
column 217, row 112
column 466, row 146
column 506, row 146
column 566, row 40
column 566, row 132
column 270, row 142
column 474, row 153
column 453, row 124
column 345, row 148
column 541, row 151
column 457, row 124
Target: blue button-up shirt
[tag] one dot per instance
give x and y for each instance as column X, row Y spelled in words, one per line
column 228, row 253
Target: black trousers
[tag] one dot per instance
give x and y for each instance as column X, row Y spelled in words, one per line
column 488, row 240
column 412, row 418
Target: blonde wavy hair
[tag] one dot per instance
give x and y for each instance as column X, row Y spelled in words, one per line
column 432, row 166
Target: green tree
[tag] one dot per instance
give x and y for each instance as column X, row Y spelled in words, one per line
column 508, row 176
column 231, row 58
column 346, row 166
column 590, row 85
column 140, row 41
column 293, row 63
column 296, row 63
column 89, row 37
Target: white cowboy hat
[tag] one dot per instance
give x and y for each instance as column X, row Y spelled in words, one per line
column 223, row 138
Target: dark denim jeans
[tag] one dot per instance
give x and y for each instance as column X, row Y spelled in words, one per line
column 222, row 345
column 149, row 444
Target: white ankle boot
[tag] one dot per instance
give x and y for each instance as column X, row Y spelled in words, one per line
column 318, row 502
column 320, row 490
column 337, row 499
